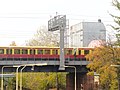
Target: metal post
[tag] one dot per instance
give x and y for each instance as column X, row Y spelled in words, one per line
column 21, row 77
column 59, row 23
column 75, row 74
column 3, row 76
column 75, row 78
column 57, row 81
column 2, row 79
column 118, row 82
column 17, row 77
column 62, row 59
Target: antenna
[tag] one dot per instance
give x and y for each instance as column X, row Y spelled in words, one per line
column 56, row 13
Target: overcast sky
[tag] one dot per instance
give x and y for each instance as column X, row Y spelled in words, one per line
column 20, row 19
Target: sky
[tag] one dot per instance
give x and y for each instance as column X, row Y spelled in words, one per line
column 20, row 19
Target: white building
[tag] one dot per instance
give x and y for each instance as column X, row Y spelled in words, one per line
column 83, row 33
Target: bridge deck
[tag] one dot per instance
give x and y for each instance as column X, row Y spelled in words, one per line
column 11, row 62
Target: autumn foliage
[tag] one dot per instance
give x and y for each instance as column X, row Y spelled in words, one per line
column 101, row 60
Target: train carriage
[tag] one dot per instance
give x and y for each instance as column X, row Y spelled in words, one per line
column 41, row 53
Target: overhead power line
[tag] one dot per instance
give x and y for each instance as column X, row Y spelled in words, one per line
column 22, row 17
column 48, row 14
column 45, row 18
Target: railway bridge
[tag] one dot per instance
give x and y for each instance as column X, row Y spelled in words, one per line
column 74, row 63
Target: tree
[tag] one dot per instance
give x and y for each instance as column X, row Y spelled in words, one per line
column 116, row 18
column 44, row 81
column 43, row 37
column 35, row 81
column 13, row 43
column 101, row 60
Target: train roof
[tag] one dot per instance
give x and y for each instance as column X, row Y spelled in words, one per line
column 39, row 47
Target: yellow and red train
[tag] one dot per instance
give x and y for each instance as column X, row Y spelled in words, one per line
column 38, row 53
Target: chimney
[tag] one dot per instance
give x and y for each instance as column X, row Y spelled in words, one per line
column 99, row 20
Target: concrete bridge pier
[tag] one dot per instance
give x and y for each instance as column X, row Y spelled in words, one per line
column 83, row 82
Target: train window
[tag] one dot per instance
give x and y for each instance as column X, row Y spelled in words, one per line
column 55, row 52
column 24, row 51
column 1, row 51
column 79, row 52
column 68, row 52
column 32, row 51
column 86, row 51
column 9, row 51
column 47, row 51
column 17, row 51
column 40, row 51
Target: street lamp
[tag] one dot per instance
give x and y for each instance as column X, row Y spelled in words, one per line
column 75, row 73
column 3, row 75
column 39, row 64
column 17, row 76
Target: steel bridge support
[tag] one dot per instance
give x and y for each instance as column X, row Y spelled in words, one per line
column 84, row 82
